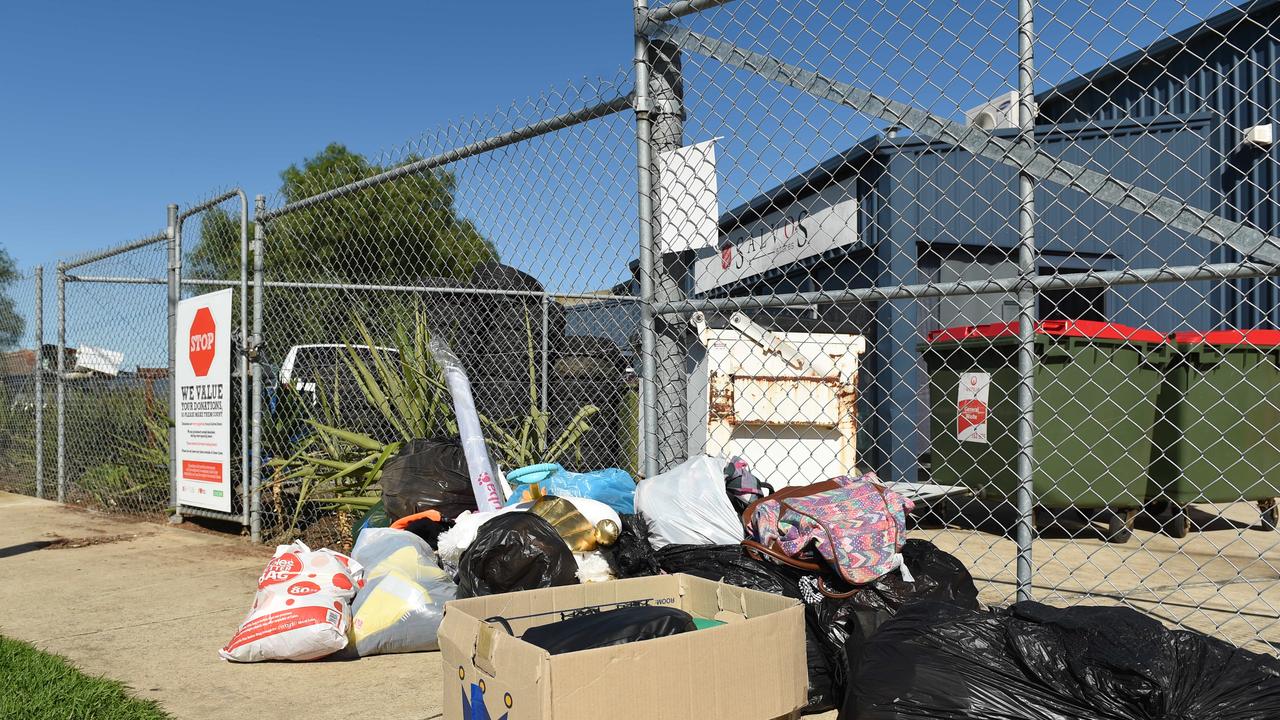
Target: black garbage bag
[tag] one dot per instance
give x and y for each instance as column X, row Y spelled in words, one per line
column 426, row 475
column 832, row 625
column 611, row 627
column 427, row 529
column 836, row 627
column 515, row 551
column 730, row 564
column 1035, row 662
column 935, row 574
column 632, row 555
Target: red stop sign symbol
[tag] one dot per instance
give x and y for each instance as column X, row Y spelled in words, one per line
column 201, row 342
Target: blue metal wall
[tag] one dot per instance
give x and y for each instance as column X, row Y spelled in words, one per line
column 941, row 201
column 1227, row 70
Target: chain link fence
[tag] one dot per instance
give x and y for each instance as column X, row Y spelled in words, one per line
column 27, row 410
column 1018, row 259
column 110, row 378
column 1019, row 238
column 509, row 238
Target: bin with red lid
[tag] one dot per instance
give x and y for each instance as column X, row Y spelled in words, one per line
column 1217, row 439
column 1096, row 388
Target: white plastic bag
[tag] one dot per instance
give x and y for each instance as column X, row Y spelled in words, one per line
column 302, row 608
column 452, row 542
column 400, row 607
column 688, row 505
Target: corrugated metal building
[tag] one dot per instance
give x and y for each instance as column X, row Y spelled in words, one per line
column 1227, row 70
column 907, row 210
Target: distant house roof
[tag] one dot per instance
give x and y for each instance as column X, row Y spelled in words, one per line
column 18, row 362
column 1217, row 25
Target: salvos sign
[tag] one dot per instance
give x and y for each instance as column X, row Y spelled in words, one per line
column 808, row 227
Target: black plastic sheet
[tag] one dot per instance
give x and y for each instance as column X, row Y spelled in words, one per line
column 515, row 551
column 427, row 475
column 611, row 627
column 1034, row 662
column 631, row 555
column 832, row 625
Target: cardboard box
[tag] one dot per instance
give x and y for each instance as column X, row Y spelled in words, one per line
column 751, row 667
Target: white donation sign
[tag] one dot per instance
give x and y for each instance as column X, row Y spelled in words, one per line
column 972, row 407
column 203, row 397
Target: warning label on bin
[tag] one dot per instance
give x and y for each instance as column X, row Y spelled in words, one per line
column 971, row 407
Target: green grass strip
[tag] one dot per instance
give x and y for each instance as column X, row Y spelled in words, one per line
column 38, row 686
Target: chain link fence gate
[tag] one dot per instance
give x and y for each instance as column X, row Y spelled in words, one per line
column 211, row 238
column 112, row 381
column 1012, row 234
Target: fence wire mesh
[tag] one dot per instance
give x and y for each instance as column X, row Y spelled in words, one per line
column 1018, row 259
column 847, row 151
column 114, row 385
column 22, row 468
column 517, row 257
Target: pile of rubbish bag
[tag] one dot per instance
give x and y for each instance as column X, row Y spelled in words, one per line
column 1031, row 661
column 894, row 629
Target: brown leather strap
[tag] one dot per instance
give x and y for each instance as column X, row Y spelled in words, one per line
column 822, row 588
column 788, row 492
column 755, row 549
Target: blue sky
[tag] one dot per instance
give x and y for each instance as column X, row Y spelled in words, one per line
column 113, row 110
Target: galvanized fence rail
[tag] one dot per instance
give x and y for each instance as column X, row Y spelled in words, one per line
column 1030, row 195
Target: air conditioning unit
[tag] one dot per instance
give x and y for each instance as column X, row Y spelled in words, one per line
column 1263, row 136
column 999, row 113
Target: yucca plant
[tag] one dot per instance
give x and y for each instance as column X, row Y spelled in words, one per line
column 407, row 390
column 339, row 469
column 331, row 466
column 528, row 442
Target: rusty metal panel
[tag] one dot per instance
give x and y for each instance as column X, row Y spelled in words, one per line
column 788, row 404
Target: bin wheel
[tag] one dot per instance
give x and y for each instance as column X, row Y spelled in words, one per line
column 1178, row 524
column 1270, row 513
column 1119, row 526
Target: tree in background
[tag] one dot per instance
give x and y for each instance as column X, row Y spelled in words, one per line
column 404, row 232
column 12, row 325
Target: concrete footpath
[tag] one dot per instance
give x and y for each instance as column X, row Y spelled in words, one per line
column 150, row 605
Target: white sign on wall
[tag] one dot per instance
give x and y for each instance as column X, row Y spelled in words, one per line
column 973, row 407
column 689, row 205
column 202, row 431
column 808, row 227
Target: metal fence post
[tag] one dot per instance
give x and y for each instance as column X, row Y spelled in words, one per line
column 245, row 481
column 255, row 355
column 644, row 189
column 546, row 351
column 1026, row 304
column 173, row 231
column 62, row 371
column 39, row 378
column 659, row 127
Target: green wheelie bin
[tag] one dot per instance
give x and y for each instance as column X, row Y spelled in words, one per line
column 1096, row 388
column 1217, row 436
